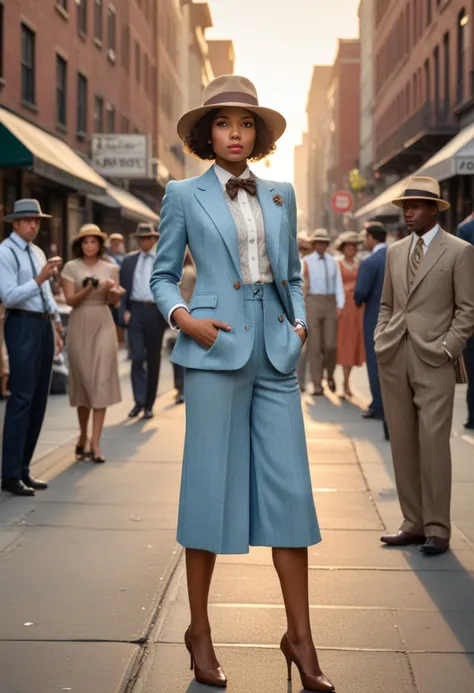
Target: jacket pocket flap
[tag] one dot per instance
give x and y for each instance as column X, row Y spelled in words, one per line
column 203, row 301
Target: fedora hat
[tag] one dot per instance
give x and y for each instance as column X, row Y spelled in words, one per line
column 27, row 209
column 422, row 188
column 144, row 230
column 320, row 235
column 231, row 90
column 88, row 230
column 346, row 237
column 116, row 237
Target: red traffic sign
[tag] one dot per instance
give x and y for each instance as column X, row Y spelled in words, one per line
column 341, row 201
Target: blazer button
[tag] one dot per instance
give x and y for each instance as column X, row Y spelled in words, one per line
column 236, row 285
column 284, row 282
column 247, row 328
column 280, row 318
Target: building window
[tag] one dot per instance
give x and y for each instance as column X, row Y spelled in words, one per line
column 98, row 20
column 61, row 90
column 28, row 94
column 126, row 47
column 427, row 81
column 145, row 72
column 1, row 40
column 436, row 79
column 98, row 113
column 81, row 16
column 447, row 84
column 125, row 125
column 111, row 37
column 81, row 104
column 462, row 28
column 137, row 62
column 428, row 12
column 110, row 118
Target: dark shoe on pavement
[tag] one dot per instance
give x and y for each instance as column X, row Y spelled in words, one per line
column 36, row 484
column 434, row 546
column 148, row 413
column 179, row 398
column 372, row 414
column 332, row 386
column 469, row 425
column 402, row 538
column 16, row 487
column 135, row 411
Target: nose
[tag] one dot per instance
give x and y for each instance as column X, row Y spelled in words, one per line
column 235, row 134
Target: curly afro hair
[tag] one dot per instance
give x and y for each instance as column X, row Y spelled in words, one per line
column 198, row 145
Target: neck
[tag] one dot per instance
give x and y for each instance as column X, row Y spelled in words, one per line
column 422, row 232
column 235, row 168
column 89, row 261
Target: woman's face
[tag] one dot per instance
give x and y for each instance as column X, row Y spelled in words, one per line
column 350, row 250
column 233, row 134
column 90, row 246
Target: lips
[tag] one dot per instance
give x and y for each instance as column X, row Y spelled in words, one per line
column 236, row 148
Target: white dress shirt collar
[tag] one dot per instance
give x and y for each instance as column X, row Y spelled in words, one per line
column 20, row 242
column 378, row 247
column 427, row 238
column 224, row 176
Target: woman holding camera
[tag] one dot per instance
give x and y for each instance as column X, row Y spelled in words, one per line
column 90, row 286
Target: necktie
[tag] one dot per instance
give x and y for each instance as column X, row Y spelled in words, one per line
column 417, row 255
column 35, row 274
column 233, row 184
column 325, row 273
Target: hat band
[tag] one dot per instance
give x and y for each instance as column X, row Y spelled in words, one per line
column 413, row 192
column 232, row 96
column 28, row 212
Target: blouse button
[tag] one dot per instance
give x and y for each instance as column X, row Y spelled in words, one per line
column 236, row 285
column 247, row 328
column 284, row 282
column 280, row 318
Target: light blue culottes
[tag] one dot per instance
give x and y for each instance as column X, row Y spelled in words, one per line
column 246, row 478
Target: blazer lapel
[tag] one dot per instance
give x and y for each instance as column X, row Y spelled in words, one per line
column 405, row 249
column 272, row 214
column 210, row 196
column 436, row 249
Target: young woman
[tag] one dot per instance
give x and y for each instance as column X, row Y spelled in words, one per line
column 350, row 333
column 245, row 476
column 90, row 286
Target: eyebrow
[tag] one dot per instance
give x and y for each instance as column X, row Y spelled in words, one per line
column 224, row 117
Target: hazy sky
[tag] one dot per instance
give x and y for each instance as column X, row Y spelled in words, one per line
column 277, row 43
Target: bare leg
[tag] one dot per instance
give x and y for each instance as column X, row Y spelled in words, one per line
column 347, row 374
column 292, row 568
column 98, row 417
column 83, row 416
column 199, row 570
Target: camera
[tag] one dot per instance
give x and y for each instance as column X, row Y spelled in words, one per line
column 91, row 280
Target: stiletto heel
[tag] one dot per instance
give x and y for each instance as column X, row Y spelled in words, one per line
column 209, row 677
column 80, row 453
column 318, row 684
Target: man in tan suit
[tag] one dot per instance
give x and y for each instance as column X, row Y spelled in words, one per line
column 426, row 317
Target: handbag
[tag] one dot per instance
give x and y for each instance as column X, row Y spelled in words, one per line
column 461, row 372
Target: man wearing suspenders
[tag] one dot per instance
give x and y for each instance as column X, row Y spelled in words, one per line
column 31, row 328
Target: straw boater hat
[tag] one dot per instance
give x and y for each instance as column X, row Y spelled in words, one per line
column 116, row 237
column 346, row 237
column 146, row 230
column 88, row 230
column 422, row 188
column 320, row 235
column 26, row 209
column 231, row 90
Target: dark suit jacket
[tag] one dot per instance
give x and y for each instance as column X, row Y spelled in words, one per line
column 368, row 289
column 127, row 270
column 466, row 231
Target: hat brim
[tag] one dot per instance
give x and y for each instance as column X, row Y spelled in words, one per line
column 147, row 234
column 441, row 204
column 81, row 236
column 274, row 120
column 320, row 239
column 21, row 215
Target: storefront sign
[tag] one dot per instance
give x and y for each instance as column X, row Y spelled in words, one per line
column 121, row 156
column 465, row 166
column 341, row 202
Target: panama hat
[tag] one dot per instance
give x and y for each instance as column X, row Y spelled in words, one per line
column 422, row 188
column 146, row 230
column 27, row 209
column 116, row 237
column 320, row 235
column 231, row 90
column 346, row 237
column 88, row 230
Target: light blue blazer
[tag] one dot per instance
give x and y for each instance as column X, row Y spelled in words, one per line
column 195, row 212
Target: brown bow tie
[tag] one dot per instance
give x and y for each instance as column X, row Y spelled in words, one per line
column 233, row 184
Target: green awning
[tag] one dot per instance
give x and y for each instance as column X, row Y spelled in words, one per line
column 23, row 145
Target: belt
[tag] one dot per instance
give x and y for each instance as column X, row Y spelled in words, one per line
column 30, row 314
column 144, row 303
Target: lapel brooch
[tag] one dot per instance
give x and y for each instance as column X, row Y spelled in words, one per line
column 278, row 200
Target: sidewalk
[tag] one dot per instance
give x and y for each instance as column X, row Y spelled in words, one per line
column 93, row 584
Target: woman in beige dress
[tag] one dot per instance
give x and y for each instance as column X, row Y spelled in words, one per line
column 91, row 285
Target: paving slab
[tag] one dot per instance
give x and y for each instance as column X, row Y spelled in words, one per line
column 98, row 585
column 337, row 476
column 332, row 628
column 443, row 673
column 264, row 671
column 361, row 588
column 346, row 510
column 36, row 667
column 9, row 536
column 449, row 631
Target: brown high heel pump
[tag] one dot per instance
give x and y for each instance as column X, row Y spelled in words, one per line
column 320, row 683
column 209, row 677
